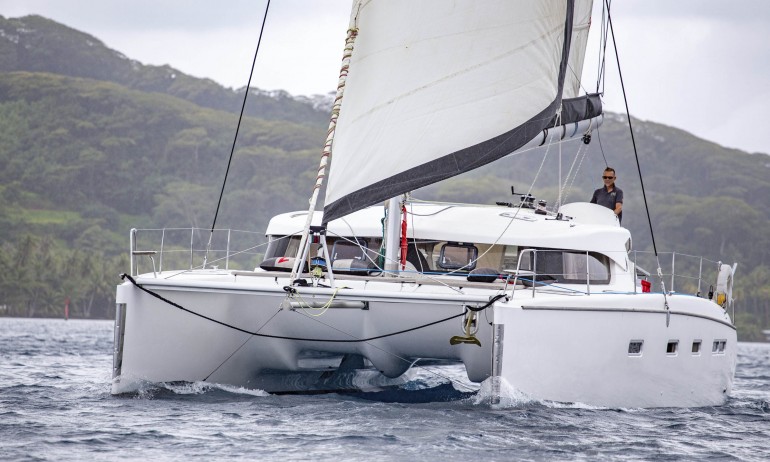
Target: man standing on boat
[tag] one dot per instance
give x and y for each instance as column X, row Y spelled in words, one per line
column 610, row 195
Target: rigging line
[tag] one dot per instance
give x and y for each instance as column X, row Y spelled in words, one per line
column 536, row 148
column 518, row 209
column 239, row 252
column 570, row 178
column 414, row 240
column 417, row 201
column 358, row 243
column 422, row 271
column 282, row 337
column 631, row 129
column 252, row 248
column 601, row 146
column 381, row 270
column 242, row 345
column 237, row 128
column 572, row 173
column 579, row 79
column 580, row 164
column 639, row 168
column 561, row 188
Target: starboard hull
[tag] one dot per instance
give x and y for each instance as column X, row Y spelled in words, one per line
column 580, row 352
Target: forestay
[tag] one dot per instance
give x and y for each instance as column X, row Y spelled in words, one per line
column 438, row 88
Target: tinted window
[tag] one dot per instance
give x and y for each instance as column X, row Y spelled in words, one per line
column 568, row 267
column 346, row 250
column 458, row 256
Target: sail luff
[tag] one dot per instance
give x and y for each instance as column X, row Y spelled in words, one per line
column 511, row 84
column 327, row 149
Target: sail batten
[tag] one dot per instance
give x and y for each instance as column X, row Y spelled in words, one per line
column 439, row 88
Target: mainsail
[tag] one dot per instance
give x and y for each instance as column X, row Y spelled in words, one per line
column 437, row 88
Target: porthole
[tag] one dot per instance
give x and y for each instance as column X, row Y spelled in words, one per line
column 635, row 347
column 672, row 347
column 696, row 347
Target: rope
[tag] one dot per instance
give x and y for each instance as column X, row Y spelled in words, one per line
column 572, row 174
column 125, row 276
column 321, row 310
column 638, row 166
column 490, row 303
column 237, row 129
column 631, row 129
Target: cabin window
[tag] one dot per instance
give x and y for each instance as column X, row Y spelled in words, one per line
column 635, row 347
column 568, row 267
column 719, row 347
column 696, row 347
column 351, row 249
column 282, row 246
column 671, row 347
column 510, row 257
column 458, row 256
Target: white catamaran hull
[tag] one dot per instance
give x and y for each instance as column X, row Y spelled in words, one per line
column 570, row 350
column 551, row 347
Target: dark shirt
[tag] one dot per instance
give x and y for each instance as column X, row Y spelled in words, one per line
column 608, row 199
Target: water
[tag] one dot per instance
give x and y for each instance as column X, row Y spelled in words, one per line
column 55, row 405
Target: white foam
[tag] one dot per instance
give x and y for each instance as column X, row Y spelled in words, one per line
column 188, row 388
column 199, row 388
column 505, row 396
column 240, row 390
column 499, row 394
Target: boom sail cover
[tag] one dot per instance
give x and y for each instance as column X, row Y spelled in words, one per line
column 437, row 88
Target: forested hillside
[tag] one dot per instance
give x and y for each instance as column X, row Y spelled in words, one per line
column 37, row 44
column 93, row 144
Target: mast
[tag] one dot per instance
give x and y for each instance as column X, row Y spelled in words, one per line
column 392, row 247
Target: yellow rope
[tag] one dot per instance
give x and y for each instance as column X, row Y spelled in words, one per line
column 322, row 309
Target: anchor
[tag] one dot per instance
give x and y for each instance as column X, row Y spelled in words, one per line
column 468, row 337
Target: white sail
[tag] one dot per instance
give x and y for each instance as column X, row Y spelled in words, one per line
column 577, row 52
column 437, row 88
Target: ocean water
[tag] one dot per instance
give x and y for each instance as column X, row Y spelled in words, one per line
column 55, row 404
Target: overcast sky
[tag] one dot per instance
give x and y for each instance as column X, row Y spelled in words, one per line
column 699, row 65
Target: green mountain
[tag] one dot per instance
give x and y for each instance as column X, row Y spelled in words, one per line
column 37, row 44
column 93, row 144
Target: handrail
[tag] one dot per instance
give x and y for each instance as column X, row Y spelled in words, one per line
column 235, row 247
column 677, row 260
column 164, row 249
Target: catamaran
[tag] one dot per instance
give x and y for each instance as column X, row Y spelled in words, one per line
column 549, row 302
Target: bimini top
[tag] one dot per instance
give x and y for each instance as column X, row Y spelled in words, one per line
column 585, row 227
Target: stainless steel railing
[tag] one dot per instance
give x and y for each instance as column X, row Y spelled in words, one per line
column 188, row 249
column 689, row 272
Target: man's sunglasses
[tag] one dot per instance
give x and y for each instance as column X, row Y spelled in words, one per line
column 608, row 177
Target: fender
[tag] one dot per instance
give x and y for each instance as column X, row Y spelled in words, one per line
column 724, row 290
